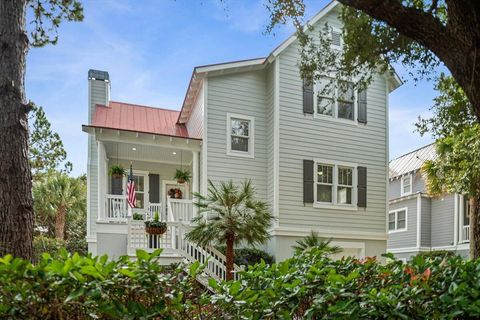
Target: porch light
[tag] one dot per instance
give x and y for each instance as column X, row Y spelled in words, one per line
column 134, row 149
column 174, row 153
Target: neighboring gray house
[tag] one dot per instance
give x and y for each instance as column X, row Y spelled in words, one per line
column 417, row 222
column 319, row 160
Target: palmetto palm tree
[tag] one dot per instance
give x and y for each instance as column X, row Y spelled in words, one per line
column 56, row 196
column 229, row 215
column 314, row 241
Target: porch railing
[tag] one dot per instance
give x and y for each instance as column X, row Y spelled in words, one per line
column 138, row 238
column 180, row 209
column 152, row 208
column 466, row 234
column 116, row 208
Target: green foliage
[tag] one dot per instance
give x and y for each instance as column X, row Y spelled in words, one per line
column 312, row 286
column 182, row 175
column 59, row 191
column 137, row 216
column 46, row 152
column 116, row 169
column 47, row 16
column 76, row 287
column 155, row 222
column 249, row 256
column 314, row 241
column 437, row 254
column 42, row 244
column 228, row 209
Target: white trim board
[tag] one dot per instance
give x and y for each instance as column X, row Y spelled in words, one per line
column 328, row 233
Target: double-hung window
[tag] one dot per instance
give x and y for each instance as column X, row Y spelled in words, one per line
column 240, row 131
column 397, row 220
column 335, row 99
column 406, row 185
column 335, row 184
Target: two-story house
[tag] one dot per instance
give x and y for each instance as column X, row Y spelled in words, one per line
column 319, row 159
column 418, row 222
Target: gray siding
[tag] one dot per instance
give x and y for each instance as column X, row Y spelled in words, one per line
column 426, row 222
column 418, row 184
column 195, row 122
column 270, row 133
column 408, row 238
column 394, row 189
column 244, row 94
column 443, row 221
column 306, row 137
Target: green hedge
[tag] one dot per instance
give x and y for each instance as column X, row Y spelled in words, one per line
column 308, row 286
column 312, row 286
column 75, row 287
column 249, row 256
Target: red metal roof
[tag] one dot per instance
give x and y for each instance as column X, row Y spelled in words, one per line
column 132, row 117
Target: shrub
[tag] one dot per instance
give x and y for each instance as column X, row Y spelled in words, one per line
column 437, row 254
column 249, row 256
column 75, row 287
column 42, row 244
column 312, row 286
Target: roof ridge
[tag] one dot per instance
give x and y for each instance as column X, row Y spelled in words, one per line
column 413, row 151
column 143, row 106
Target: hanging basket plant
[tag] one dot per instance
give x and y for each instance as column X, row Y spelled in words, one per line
column 155, row 226
column 182, row 176
column 116, row 171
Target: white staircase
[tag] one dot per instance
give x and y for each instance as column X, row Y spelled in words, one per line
column 174, row 245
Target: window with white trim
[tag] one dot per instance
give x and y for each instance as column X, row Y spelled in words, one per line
column 406, row 185
column 240, row 135
column 334, row 35
column 335, row 99
column 397, row 220
column 334, row 184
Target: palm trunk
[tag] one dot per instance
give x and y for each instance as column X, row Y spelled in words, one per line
column 16, row 205
column 475, row 227
column 229, row 255
column 60, row 219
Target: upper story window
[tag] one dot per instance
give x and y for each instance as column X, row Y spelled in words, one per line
column 240, row 130
column 397, row 220
column 335, row 99
column 406, row 185
column 336, row 37
column 334, row 184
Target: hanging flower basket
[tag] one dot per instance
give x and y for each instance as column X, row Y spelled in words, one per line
column 182, row 176
column 116, row 171
column 155, row 226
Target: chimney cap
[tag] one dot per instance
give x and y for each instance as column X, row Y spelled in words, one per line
column 98, row 75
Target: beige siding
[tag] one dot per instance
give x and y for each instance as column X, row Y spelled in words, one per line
column 305, row 137
column 244, row 94
column 195, row 122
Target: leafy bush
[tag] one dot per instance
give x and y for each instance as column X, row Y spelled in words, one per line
column 137, row 216
column 42, row 244
column 75, row 287
column 312, row 286
column 437, row 254
column 249, row 256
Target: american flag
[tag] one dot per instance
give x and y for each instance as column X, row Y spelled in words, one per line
column 131, row 198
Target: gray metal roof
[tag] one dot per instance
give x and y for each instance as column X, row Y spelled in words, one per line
column 412, row 161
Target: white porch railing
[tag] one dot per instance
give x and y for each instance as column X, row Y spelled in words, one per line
column 466, row 234
column 116, row 208
column 180, row 209
column 138, row 238
column 152, row 208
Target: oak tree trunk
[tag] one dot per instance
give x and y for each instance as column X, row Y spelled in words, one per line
column 474, row 227
column 230, row 256
column 60, row 219
column 16, row 205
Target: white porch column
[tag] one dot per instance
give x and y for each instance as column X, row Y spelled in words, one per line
column 101, row 179
column 195, row 176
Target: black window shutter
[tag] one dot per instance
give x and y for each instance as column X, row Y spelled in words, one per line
column 362, row 106
column 362, row 187
column 154, row 188
column 117, row 185
column 307, row 97
column 308, row 181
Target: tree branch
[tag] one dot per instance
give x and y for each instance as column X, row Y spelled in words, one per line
column 416, row 24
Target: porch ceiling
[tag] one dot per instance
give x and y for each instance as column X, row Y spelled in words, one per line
column 139, row 152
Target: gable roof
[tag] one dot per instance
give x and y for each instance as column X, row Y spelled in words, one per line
column 394, row 80
column 411, row 161
column 138, row 118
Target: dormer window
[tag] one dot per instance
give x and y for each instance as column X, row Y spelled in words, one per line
column 406, row 185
